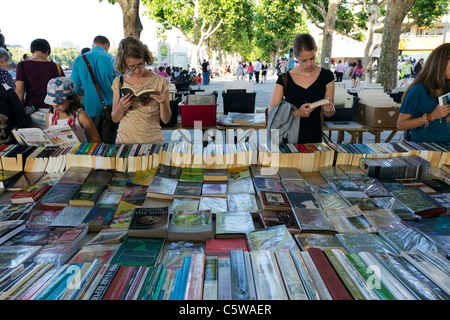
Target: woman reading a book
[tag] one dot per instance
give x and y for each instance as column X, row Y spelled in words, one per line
column 421, row 114
column 141, row 97
column 65, row 108
column 306, row 83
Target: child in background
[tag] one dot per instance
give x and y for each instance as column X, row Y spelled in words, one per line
column 199, row 80
column 65, row 108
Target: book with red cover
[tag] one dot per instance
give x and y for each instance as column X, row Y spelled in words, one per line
column 29, row 193
column 222, row 247
column 302, row 148
column 120, row 281
column 334, row 284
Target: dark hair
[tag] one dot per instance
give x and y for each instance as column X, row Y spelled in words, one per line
column 433, row 73
column 84, row 50
column 303, row 42
column 101, row 40
column 130, row 47
column 41, row 45
column 359, row 63
column 74, row 105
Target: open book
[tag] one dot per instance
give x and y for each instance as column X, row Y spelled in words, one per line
column 319, row 103
column 142, row 96
column 59, row 135
column 443, row 100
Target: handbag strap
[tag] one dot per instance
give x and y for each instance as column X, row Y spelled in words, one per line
column 91, row 72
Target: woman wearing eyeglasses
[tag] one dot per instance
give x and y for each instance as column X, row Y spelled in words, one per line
column 139, row 116
column 306, row 83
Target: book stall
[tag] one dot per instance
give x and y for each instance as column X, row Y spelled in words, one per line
column 244, row 221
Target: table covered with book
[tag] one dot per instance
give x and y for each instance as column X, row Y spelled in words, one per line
column 142, row 226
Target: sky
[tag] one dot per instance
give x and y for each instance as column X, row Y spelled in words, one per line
column 62, row 21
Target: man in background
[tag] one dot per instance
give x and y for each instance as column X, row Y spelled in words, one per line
column 103, row 67
column 257, row 69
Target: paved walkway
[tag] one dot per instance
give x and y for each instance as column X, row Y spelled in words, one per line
column 262, row 100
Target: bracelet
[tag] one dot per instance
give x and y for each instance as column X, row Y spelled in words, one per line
column 426, row 119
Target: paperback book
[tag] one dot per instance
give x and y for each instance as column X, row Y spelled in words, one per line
column 149, row 222
column 233, row 224
column 195, row 225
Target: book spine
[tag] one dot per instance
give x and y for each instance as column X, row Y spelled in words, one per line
column 224, row 279
column 105, row 281
column 210, row 281
column 239, row 284
column 194, row 282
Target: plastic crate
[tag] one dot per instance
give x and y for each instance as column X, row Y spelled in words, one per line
column 204, row 113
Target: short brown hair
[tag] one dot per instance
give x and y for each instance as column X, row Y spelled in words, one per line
column 303, row 42
column 131, row 47
column 433, row 73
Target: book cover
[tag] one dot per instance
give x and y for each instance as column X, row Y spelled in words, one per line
column 240, row 202
column 302, row 201
column 142, row 95
column 239, row 186
column 100, row 176
column 184, row 204
column 188, row 189
column 139, row 251
column 314, row 220
column 191, row 174
column 71, row 216
column 215, row 175
column 57, row 135
column 144, row 177
column 166, row 171
column 24, row 180
column 29, row 193
column 9, row 229
column 13, row 256
column 299, row 186
column 123, row 214
column 89, row 253
column 58, row 254
column 215, row 204
column 149, row 222
column 273, row 218
column 215, row 189
column 163, row 188
column 60, row 194
column 290, row 276
column 418, row 202
column 43, row 216
column 233, row 224
column 272, row 238
column 195, row 225
column 7, row 177
column 75, row 175
column 222, row 247
column 274, row 200
column 87, row 194
column 134, row 193
column 109, row 236
column 238, row 173
column 100, row 217
column 268, row 184
column 111, row 196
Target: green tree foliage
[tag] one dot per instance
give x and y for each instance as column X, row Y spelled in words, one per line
column 199, row 20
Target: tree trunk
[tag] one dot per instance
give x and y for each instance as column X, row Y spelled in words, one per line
column 328, row 30
column 387, row 68
column 132, row 25
column 372, row 23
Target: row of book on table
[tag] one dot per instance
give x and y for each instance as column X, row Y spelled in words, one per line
column 246, row 233
column 140, row 157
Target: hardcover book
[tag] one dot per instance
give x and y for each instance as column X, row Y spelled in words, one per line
column 109, row 236
column 239, row 186
column 57, row 135
column 111, row 196
column 241, row 202
column 272, row 218
column 100, row 217
column 184, row 204
column 302, row 201
column 233, row 224
column 274, row 200
column 165, row 171
column 149, row 222
column 419, row 203
column 272, row 238
column 314, row 220
column 75, row 175
column 139, row 251
column 299, row 186
column 24, row 180
column 215, row 204
column 215, row 175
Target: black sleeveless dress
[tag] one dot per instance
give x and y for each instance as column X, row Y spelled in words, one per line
column 311, row 127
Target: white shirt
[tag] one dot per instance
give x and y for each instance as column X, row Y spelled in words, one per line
column 257, row 66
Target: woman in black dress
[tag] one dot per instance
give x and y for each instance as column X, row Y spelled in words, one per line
column 307, row 83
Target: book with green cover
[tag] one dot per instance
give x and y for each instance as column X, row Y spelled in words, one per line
column 192, row 174
column 138, row 252
column 87, row 195
column 369, row 275
column 195, row 225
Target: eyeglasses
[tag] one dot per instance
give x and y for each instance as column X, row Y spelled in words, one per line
column 136, row 66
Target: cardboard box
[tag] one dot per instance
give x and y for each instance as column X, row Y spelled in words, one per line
column 378, row 114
